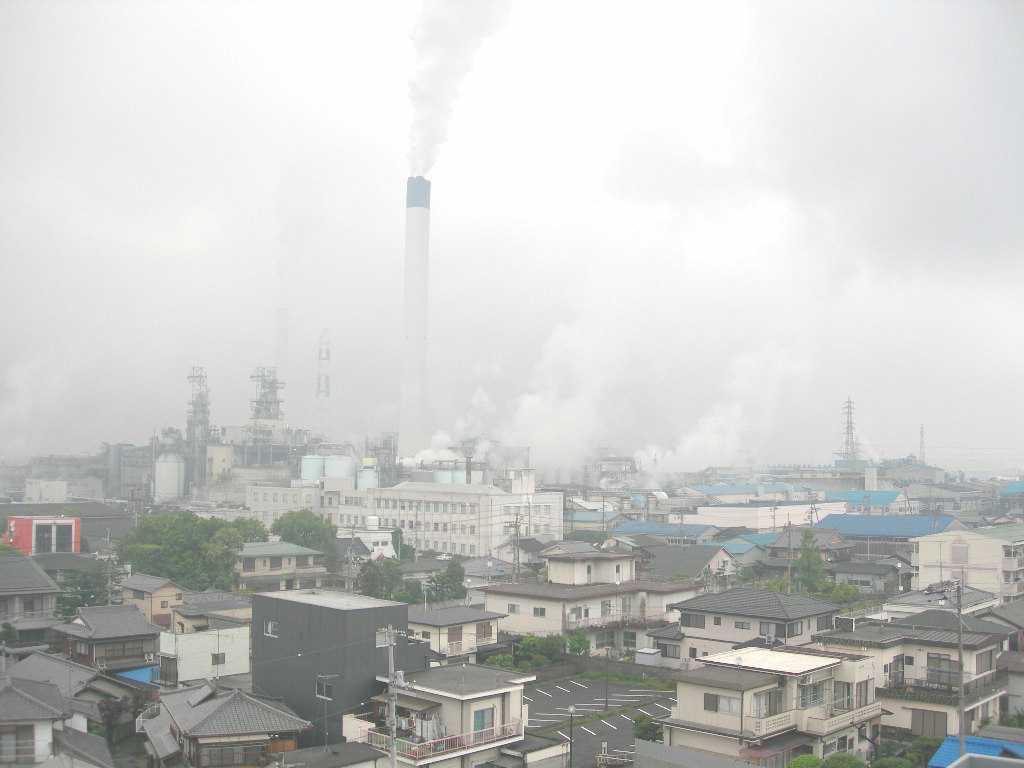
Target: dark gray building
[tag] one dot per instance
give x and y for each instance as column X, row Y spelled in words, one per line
column 316, row 650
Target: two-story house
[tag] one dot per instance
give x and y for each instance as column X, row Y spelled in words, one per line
column 989, row 558
column 450, row 716
column 781, row 553
column 206, row 726
column 279, row 565
column 588, row 565
column 209, row 637
column 115, row 638
column 917, row 676
column 35, row 728
column 767, row 706
column 28, row 598
column 713, row 623
column 455, row 632
column 155, row 596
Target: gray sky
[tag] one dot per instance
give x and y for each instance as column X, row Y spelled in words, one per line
column 686, row 229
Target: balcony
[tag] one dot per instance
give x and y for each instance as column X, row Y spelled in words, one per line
column 1013, row 563
column 772, row 724
column 459, row 647
column 821, row 726
column 623, row 618
column 428, row 751
column 943, row 687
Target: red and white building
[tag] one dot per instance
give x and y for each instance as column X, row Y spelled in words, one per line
column 36, row 535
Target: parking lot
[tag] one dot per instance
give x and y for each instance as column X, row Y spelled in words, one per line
column 593, row 725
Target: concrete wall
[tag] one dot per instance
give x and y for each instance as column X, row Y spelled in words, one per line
column 602, row 571
column 194, row 652
column 152, row 604
column 713, row 638
column 46, row 491
column 983, row 568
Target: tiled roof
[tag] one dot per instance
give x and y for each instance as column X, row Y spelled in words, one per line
column 583, row 591
column 87, row 746
column 882, row 636
column 205, row 711
column 887, row 526
column 104, row 622
column 146, row 583
column 69, row 676
column 22, row 699
column 1011, row 613
column 67, row 561
column 22, row 575
column 669, row 632
column 274, row 549
column 757, row 603
column 939, row 619
column 669, row 562
column 971, row 596
column 201, row 603
column 823, row 538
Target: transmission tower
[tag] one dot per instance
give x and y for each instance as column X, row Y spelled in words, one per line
column 197, row 428
column 920, row 451
column 851, row 449
column 323, row 380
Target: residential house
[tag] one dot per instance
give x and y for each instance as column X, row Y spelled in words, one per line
column 450, row 716
column 203, row 725
column 35, row 728
column 280, row 565
column 529, row 551
column 218, row 651
column 869, row 576
column 884, row 502
column 155, row 596
column 115, row 638
column 455, row 632
column 785, row 549
column 28, row 598
column 1012, row 663
column 708, row 564
column 320, row 652
column 58, row 565
column 748, row 549
column 917, row 677
column 83, row 688
column 768, row 706
column 664, row 647
column 588, row 565
column 991, row 559
column 712, row 623
column 884, row 535
column 204, row 610
column 681, row 534
column 1011, row 616
column 905, row 604
column 481, row 571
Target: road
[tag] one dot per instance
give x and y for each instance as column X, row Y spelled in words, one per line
column 593, row 725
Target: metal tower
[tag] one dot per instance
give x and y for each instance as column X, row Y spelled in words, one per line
column 851, row 449
column 323, row 381
column 267, row 403
column 920, row 451
column 197, row 429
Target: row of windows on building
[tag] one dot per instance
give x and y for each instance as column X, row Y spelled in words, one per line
column 444, row 546
column 281, row 497
column 768, row 628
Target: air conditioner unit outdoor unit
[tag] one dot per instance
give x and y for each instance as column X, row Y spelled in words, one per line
column 150, row 657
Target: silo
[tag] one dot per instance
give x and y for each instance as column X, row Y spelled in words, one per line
column 443, row 476
column 339, row 467
column 368, row 477
column 312, row 468
column 168, row 477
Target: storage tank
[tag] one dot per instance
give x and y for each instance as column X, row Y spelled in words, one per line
column 168, row 477
column 443, row 476
column 368, row 478
column 312, row 468
column 339, row 467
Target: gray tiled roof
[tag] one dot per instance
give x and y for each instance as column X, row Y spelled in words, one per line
column 466, row 679
column 670, row 632
column 103, row 622
column 275, row 549
column 971, row 596
column 882, row 636
column 89, row 747
column 69, row 676
column 205, row 711
column 1011, row 613
column 29, row 700
column 201, row 603
column 145, row 583
column 582, row 591
column 67, row 561
column 20, row 575
column 669, row 562
column 757, row 603
column 447, row 616
column 824, row 538
column 939, row 619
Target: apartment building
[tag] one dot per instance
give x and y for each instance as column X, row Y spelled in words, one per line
column 155, row 596
column 768, row 706
column 268, row 501
column 455, row 632
column 917, row 676
column 451, row 716
column 270, row 566
column 469, row 520
column 115, row 638
column 28, row 597
column 714, row 623
column 990, row 558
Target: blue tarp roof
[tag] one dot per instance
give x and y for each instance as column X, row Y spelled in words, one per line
column 661, row 529
column 866, row 498
column 895, row 526
column 1012, row 489
column 975, row 745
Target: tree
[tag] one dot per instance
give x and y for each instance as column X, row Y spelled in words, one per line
column 843, row 594
column 380, row 578
column 805, row 761
column 646, row 728
column 577, row 643
column 808, row 570
column 891, row 762
column 403, row 552
column 307, row 530
column 842, row 760
column 8, row 634
column 447, row 585
column 83, row 589
column 410, row 592
column 6, row 549
column 921, row 750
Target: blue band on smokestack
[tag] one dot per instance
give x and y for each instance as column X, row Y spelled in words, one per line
column 417, row 192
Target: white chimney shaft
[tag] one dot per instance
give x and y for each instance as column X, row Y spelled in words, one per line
column 415, row 418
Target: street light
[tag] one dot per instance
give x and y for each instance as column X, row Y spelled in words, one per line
column 572, row 711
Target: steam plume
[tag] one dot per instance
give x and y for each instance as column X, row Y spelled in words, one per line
column 446, row 39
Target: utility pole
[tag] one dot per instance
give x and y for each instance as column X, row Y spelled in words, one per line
column 514, row 525
column 607, row 659
column 350, row 563
column 789, row 559
column 320, row 677
column 393, row 686
column 572, row 713
column 958, row 584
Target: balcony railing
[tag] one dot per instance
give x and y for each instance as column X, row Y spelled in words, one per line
column 615, row 617
column 459, row 647
column 1013, row 563
column 428, row 750
column 766, row 726
column 943, row 687
column 9, row 616
column 824, row 725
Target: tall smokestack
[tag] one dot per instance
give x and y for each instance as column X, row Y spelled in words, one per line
column 415, row 415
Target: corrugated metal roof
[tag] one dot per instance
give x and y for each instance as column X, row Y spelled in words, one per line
column 864, row 498
column 949, row 751
column 682, row 530
column 889, row 526
column 1012, row 489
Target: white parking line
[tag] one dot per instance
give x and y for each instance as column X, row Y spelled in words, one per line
column 581, row 685
column 593, row 706
column 645, row 713
column 527, row 698
column 549, row 714
column 627, row 717
column 536, row 726
column 667, row 709
column 648, row 691
column 624, row 751
column 562, row 735
column 538, row 690
column 546, row 719
column 613, row 727
column 565, row 690
column 584, row 728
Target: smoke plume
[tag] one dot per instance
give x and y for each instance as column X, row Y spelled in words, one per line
column 446, row 38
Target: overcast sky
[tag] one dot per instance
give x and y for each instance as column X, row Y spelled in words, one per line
column 685, row 229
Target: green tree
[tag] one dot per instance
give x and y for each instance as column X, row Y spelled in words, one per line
column 808, row 570
column 403, row 551
column 6, row 549
column 891, row 762
column 503, row 660
column 842, row 760
column 843, row 594
column 646, row 728
column 83, row 589
column 8, row 634
column 577, row 643
column 410, row 592
column 805, row 761
column 307, row 530
column 380, row 578
column 448, row 584
column 921, row 750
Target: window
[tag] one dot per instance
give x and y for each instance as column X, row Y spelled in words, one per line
column 425, row 634
column 728, row 705
column 483, row 631
column 324, row 689
column 668, row 650
column 177, row 595
column 983, row 662
column 693, row 653
column 767, row 628
column 472, row 530
column 163, row 603
column 629, row 639
column 539, row 612
column 794, row 628
column 472, row 549
column 710, row 702
column 138, row 594
column 64, row 538
column 248, row 564
column 17, row 743
column 216, row 658
column 483, row 721
column 436, row 527
column 824, row 623
column 718, row 621
column 692, row 620
column 275, row 563
column 741, row 624
column 811, row 695
column 512, row 608
column 270, row 627
column 908, row 661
